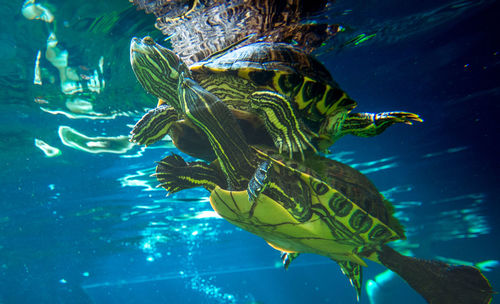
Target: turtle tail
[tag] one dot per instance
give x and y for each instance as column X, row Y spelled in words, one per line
column 438, row 282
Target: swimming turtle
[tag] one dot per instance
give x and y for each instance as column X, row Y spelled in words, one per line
column 316, row 206
column 291, row 93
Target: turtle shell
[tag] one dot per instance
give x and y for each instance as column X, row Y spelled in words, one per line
column 348, row 214
column 348, row 181
column 265, row 56
column 277, row 67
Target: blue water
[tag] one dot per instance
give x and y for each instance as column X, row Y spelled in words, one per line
column 82, row 227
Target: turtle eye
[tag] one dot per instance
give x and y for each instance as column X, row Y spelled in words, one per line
column 148, row 40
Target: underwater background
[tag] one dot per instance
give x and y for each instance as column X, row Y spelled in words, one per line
column 82, row 222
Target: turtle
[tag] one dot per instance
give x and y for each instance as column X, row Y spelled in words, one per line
column 316, row 205
column 274, row 85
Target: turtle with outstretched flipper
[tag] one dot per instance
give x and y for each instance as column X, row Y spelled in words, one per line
column 316, row 206
column 287, row 92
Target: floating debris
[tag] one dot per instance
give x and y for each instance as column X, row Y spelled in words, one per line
column 72, row 138
column 48, row 150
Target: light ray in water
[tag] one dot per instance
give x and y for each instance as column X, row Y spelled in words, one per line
column 72, row 138
column 373, row 162
column 407, row 204
column 476, row 197
column 380, row 168
column 346, row 157
column 462, row 218
column 389, row 193
column 183, row 275
column 460, row 224
column 483, row 266
column 448, row 151
column 342, row 156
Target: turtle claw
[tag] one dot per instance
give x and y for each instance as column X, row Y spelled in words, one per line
column 258, row 182
column 397, row 117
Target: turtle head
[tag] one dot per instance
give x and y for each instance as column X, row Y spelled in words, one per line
column 157, row 69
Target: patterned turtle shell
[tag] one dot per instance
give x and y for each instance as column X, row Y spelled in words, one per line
column 345, row 215
column 284, row 69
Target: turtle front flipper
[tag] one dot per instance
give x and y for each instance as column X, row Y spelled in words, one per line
column 154, row 125
column 282, row 124
column 175, row 174
column 370, row 124
column 439, row 282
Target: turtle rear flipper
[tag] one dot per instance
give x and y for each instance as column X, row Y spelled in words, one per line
column 175, row 174
column 154, row 125
column 354, row 272
column 438, row 282
column 288, row 257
